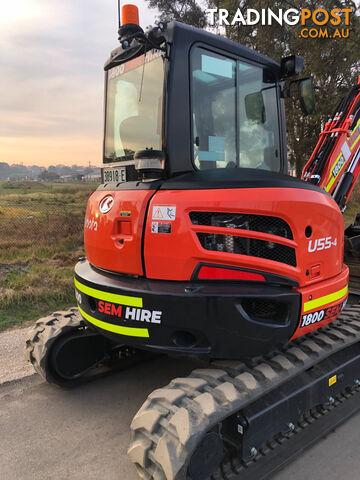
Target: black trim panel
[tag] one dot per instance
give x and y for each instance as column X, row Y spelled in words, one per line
column 134, row 185
column 235, row 178
column 217, row 316
column 221, row 178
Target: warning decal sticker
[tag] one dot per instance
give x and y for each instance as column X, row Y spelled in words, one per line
column 157, row 227
column 164, row 213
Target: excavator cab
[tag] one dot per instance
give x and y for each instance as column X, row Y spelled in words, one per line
column 179, row 99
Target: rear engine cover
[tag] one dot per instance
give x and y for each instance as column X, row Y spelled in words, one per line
column 113, row 229
column 296, row 233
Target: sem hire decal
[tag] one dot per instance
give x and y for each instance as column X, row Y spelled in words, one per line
column 128, row 309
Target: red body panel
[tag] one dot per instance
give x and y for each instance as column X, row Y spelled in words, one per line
column 113, row 239
column 328, row 299
column 174, row 256
column 172, row 250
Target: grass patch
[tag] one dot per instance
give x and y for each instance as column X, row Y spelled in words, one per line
column 21, row 316
column 41, row 238
column 43, row 286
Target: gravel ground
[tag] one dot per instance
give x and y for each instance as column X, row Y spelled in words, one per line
column 83, row 433
column 92, row 424
column 13, row 365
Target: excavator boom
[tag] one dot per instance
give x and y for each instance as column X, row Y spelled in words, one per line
column 334, row 164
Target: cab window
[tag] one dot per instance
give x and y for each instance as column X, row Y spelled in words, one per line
column 235, row 120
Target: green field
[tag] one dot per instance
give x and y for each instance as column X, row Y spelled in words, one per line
column 41, row 238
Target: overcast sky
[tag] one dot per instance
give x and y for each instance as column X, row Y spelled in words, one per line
column 51, row 78
column 52, row 54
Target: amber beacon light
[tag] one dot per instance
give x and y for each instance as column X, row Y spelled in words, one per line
column 129, row 26
column 130, row 14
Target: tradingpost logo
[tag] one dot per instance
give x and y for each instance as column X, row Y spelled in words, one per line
column 313, row 23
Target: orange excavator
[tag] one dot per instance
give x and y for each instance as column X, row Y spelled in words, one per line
column 198, row 243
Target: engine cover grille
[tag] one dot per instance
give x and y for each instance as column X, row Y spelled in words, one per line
column 257, row 223
column 248, row 246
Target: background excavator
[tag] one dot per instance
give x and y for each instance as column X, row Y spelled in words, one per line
column 199, row 244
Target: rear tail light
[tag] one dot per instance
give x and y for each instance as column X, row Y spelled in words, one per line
column 223, row 273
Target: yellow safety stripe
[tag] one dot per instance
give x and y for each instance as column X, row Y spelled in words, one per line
column 329, row 185
column 354, row 144
column 356, row 126
column 128, row 331
column 109, row 297
column 320, row 302
column 357, row 138
column 333, row 165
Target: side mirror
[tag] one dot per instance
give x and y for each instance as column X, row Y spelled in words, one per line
column 255, row 108
column 291, row 66
column 305, row 94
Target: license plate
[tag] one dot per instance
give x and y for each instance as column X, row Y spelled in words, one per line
column 117, row 174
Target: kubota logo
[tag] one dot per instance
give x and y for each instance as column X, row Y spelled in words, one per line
column 106, row 204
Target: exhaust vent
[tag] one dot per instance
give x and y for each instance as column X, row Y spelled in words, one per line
column 267, row 311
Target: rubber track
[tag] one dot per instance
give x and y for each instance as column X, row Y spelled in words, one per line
column 172, row 421
column 278, row 452
column 43, row 335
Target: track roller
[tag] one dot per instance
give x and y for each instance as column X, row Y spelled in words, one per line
column 66, row 352
column 62, row 350
column 207, row 457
